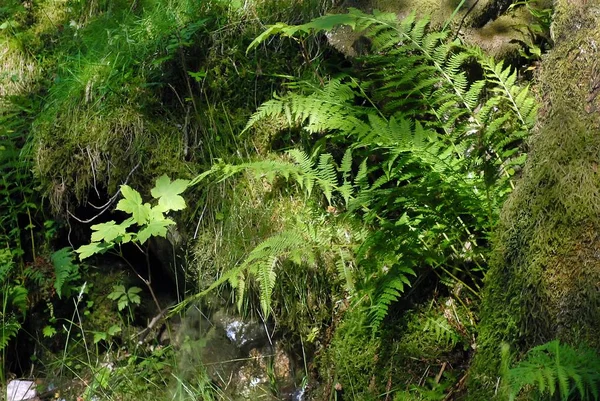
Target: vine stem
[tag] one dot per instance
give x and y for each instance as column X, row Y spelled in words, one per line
column 147, row 282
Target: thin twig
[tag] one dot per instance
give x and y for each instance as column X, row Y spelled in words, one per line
column 142, row 335
column 462, row 20
column 104, row 207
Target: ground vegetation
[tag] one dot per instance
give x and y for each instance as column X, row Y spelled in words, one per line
column 299, row 199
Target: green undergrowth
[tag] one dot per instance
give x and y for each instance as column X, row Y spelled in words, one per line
column 100, row 93
column 552, row 371
column 420, row 181
column 351, row 213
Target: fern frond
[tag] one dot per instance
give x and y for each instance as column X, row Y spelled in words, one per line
column 345, row 269
column 432, row 150
column 389, row 290
column 555, row 368
column 504, row 79
column 263, row 260
column 9, row 328
column 442, row 330
column 63, row 268
column 265, row 270
column 327, row 174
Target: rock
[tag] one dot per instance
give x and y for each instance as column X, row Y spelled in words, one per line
column 21, row 390
column 238, row 356
column 244, row 334
column 252, row 382
column 281, row 364
column 487, row 25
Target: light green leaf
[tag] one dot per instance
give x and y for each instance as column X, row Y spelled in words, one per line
column 132, row 204
column 167, row 193
column 122, row 304
column 274, row 29
column 114, row 329
column 323, row 23
column 110, row 230
column 154, row 228
column 49, row 331
column 117, row 292
column 133, row 296
column 157, row 213
column 85, row 251
column 99, row 336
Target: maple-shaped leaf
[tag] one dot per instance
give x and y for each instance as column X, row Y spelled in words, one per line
column 114, row 329
column 49, row 331
column 85, row 251
column 133, row 295
column 157, row 213
column 122, row 303
column 132, row 204
column 154, row 228
column 99, row 336
column 110, row 230
column 167, row 193
column 117, row 292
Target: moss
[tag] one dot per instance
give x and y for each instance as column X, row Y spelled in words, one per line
column 115, row 90
column 409, row 351
column 543, row 278
column 18, row 71
column 438, row 11
column 349, row 363
column 473, row 14
column 241, row 214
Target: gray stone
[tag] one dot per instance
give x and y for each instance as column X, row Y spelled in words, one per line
column 21, row 390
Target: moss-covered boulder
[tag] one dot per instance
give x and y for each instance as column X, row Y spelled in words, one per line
column 485, row 23
column 544, row 278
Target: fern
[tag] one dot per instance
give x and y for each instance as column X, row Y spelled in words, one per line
column 428, row 156
column 263, row 260
column 64, row 269
column 9, row 328
column 442, row 330
column 556, row 370
column 389, row 288
column 302, row 244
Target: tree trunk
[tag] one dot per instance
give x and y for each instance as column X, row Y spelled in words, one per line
column 545, row 276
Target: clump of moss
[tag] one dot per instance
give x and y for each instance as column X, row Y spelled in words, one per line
column 151, row 87
column 349, row 361
column 413, row 349
column 487, row 25
column 245, row 211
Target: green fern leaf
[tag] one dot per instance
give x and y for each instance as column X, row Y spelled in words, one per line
column 64, row 268
column 8, row 329
column 388, row 291
column 555, row 368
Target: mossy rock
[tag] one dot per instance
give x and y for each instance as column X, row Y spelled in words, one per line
column 543, row 282
column 486, row 25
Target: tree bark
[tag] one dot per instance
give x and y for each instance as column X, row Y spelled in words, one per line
column 544, row 278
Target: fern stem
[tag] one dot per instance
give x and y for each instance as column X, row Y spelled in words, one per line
column 369, row 99
column 468, row 287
